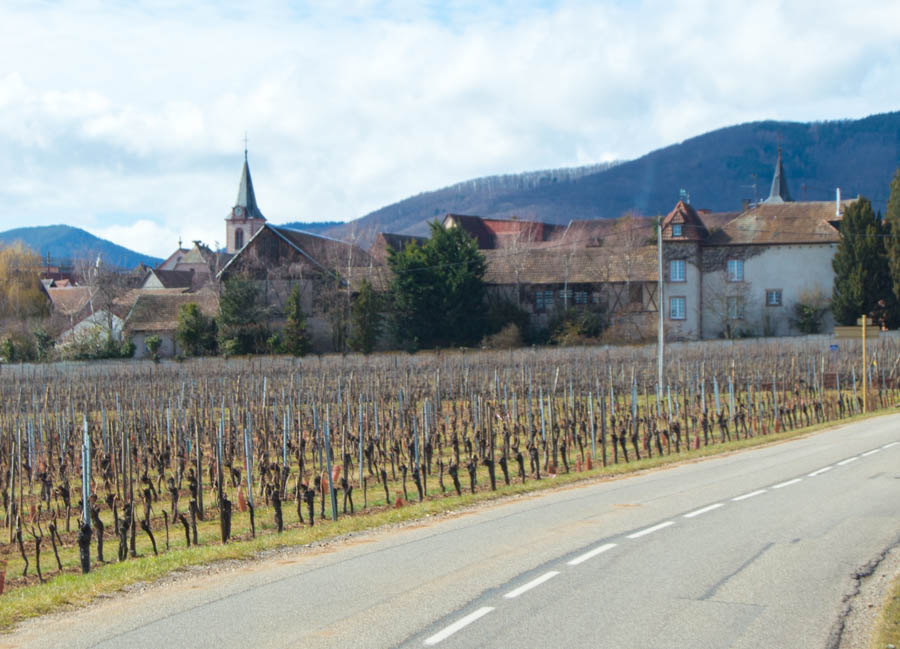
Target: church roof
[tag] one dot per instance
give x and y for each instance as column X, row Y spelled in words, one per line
column 779, row 192
column 246, row 197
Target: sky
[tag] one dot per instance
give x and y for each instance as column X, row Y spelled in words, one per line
column 128, row 118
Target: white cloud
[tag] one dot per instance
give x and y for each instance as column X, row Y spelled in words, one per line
column 133, row 117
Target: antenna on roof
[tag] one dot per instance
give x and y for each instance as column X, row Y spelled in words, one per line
column 685, row 196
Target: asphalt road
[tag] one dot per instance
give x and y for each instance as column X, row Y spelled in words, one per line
column 756, row 549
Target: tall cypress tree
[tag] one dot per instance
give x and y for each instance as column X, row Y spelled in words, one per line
column 862, row 281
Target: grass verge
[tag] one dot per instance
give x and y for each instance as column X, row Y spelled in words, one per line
column 887, row 630
column 74, row 589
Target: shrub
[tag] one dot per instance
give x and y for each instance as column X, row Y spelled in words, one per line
column 510, row 337
column 152, row 344
column 809, row 311
column 576, row 327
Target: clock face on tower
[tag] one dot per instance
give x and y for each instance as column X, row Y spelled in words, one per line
column 238, row 211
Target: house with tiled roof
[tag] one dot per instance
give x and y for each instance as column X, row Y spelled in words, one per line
column 733, row 273
column 155, row 313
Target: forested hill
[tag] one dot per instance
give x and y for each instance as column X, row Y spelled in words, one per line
column 718, row 169
column 65, row 244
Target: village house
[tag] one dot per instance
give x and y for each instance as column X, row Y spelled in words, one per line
column 155, row 313
column 742, row 273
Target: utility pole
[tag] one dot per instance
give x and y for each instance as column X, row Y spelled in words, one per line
column 660, row 304
column 865, row 366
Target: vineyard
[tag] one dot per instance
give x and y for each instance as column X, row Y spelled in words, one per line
column 103, row 463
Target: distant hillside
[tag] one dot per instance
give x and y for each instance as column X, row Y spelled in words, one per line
column 718, row 169
column 316, row 228
column 65, row 244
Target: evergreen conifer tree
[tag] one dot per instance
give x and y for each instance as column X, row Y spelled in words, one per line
column 365, row 319
column 295, row 341
column 862, row 280
column 438, row 291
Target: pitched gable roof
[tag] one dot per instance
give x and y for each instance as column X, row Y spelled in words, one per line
column 159, row 312
column 781, row 223
column 692, row 226
column 69, row 300
column 601, row 264
column 324, row 253
column 170, row 278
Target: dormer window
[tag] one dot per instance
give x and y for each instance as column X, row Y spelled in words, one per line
column 676, row 230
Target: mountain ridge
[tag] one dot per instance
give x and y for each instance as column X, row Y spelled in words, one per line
column 66, row 244
column 718, row 169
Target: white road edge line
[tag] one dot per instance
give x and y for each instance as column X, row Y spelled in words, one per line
column 703, row 510
column 456, row 626
column 749, row 495
column 848, row 460
column 651, row 530
column 590, row 555
column 787, row 484
column 890, row 445
column 531, row 584
column 820, row 471
column 872, row 452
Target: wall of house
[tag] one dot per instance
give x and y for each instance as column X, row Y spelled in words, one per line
column 689, row 289
column 167, row 348
column 794, row 269
column 152, row 281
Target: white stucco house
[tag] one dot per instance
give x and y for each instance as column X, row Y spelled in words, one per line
column 744, row 272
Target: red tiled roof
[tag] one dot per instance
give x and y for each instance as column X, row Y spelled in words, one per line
column 69, row 300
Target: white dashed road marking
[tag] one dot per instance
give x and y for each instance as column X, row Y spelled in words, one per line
column 651, row 530
column 890, row 445
column 787, row 484
column 872, row 452
column 456, row 626
column 703, row 510
column 590, row 555
column 848, row 460
column 749, row 495
column 820, row 471
column 547, row 576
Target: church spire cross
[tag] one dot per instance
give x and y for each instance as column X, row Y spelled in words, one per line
column 245, row 146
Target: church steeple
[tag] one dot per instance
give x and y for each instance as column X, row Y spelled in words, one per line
column 779, row 192
column 246, row 197
column 245, row 219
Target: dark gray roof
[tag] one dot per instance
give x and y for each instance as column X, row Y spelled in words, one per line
column 779, row 192
column 246, row 197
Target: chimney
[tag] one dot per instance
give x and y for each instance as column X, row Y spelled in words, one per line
column 837, row 202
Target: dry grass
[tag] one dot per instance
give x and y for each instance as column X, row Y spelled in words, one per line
column 887, row 631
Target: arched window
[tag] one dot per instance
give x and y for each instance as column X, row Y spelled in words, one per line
column 238, row 239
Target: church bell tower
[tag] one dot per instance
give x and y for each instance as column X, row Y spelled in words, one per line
column 245, row 219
